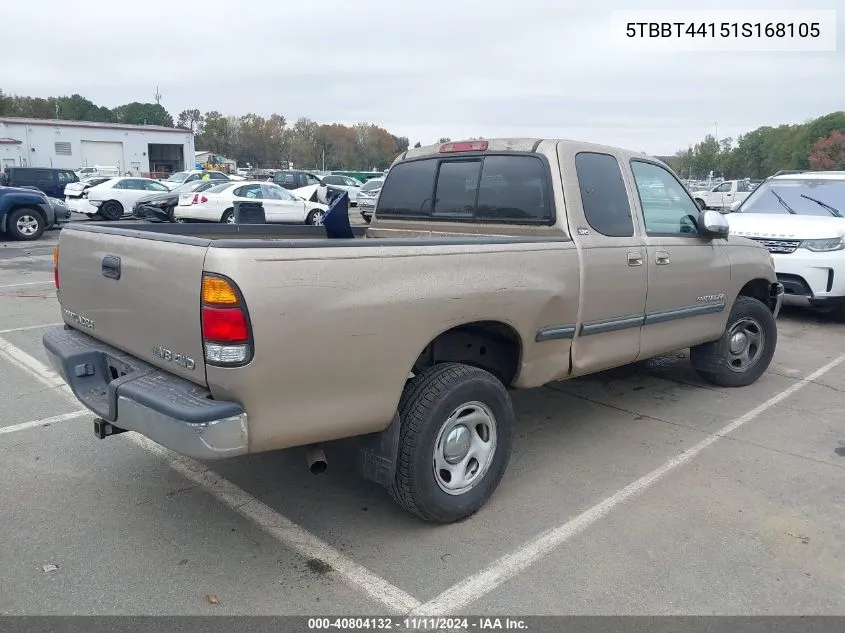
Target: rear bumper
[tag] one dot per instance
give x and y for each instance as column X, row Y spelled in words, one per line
column 136, row 396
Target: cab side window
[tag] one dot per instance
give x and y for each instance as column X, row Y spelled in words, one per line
column 667, row 207
column 603, row 194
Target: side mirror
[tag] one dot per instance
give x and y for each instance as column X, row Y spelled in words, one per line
column 735, row 205
column 713, row 224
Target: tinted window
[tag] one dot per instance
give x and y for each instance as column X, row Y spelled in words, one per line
column 332, row 180
column 152, row 185
column 513, row 188
column 218, row 188
column 667, row 207
column 66, row 177
column 409, row 189
column 23, row 177
column 457, row 183
column 725, row 187
column 216, row 175
column 603, row 194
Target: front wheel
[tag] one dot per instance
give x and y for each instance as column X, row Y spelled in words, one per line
column 315, row 218
column 701, row 204
column 26, row 224
column 743, row 353
column 454, row 442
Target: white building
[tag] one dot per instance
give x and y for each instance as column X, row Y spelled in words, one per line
column 139, row 149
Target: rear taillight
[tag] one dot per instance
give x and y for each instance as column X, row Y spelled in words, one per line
column 56, row 266
column 226, row 330
column 198, row 199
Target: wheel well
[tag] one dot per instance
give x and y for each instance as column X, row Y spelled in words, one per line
column 757, row 289
column 232, row 209
column 490, row 345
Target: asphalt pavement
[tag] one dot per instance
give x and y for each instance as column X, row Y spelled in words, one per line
column 641, row 490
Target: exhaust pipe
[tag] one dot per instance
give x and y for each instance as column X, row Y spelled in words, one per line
column 316, row 459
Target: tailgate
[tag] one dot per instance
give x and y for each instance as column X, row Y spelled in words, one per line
column 141, row 296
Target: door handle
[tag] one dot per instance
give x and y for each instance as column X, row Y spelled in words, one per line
column 111, row 266
column 661, row 258
column 635, row 259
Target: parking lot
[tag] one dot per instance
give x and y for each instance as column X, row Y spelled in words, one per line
column 640, row 490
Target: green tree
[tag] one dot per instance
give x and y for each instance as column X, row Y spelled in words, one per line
column 190, row 120
column 136, row 113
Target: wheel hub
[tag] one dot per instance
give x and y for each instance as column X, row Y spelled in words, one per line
column 456, row 446
column 738, row 342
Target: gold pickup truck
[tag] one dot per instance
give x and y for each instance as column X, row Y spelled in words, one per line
column 489, row 265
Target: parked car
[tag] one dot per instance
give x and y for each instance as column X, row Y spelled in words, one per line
column 189, row 176
column 723, row 195
column 335, row 184
column 368, row 196
column 536, row 262
column 304, row 184
column 75, row 192
column 109, row 171
column 25, row 213
column 50, row 181
column 800, row 218
column 218, row 204
column 116, row 197
column 160, row 207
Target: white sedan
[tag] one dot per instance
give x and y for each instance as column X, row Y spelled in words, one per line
column 115, row 197
column 218, row 204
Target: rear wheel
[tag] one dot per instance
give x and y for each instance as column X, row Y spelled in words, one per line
column 171, row 213
column 454, row 442
column 315, row 218
column 745, row 349
column 26, row 224
column 228, row 217
column 111, row 210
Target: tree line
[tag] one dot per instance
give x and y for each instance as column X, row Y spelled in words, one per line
column 262, row 142
column 816, row 144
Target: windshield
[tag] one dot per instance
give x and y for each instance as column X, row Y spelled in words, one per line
column 799, row 196
column 178, row 177
column 372, row 185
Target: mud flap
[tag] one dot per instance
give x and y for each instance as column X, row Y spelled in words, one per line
column 378, row 452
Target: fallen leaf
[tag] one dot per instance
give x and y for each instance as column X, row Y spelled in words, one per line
column 50, row 567
column 212, row 599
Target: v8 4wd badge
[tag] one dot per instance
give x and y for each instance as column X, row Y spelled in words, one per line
column 172, row 357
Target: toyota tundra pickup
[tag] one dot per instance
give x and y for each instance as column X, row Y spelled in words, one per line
column 488, row 265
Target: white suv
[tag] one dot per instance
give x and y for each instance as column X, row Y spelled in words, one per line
column 800, row 217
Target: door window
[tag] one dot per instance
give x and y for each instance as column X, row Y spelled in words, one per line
column 725, row 187
column 667, row 207
column 152, row 185
column 269, row 192
column 253, row 192
column 603, row 194
column 311, row 180
column 67, row 177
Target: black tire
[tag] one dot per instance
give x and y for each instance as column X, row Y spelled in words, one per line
column 700, row 203
column 315, row 218
column 111, row 210
column 26, row 224
column 228, row 216
column 427, row 403
column 715, row 362
column 171, row 213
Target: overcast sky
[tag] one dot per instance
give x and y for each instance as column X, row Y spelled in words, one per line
column 420, row 68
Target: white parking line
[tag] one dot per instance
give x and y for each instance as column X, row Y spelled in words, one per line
column 274, row 524
column 29, row 327
column 474, row 587
column 29, row 283
column 64, row 417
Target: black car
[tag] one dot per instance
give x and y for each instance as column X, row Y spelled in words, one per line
column 159, row 207
column 50, row 181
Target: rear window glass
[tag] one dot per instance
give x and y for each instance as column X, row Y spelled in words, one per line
column 409, row 189
column 603, row 194
column 493, row 188
column 219, row 188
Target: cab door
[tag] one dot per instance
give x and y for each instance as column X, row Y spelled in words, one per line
column 688, row 274
column 613, row 260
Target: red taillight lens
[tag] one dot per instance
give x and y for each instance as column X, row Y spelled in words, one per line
column 464, row 146
column 196, row 198
column 203, row 199
column 224, row 325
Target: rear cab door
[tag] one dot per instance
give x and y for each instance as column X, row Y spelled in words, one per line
column 613, row 270
column 688, row 275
